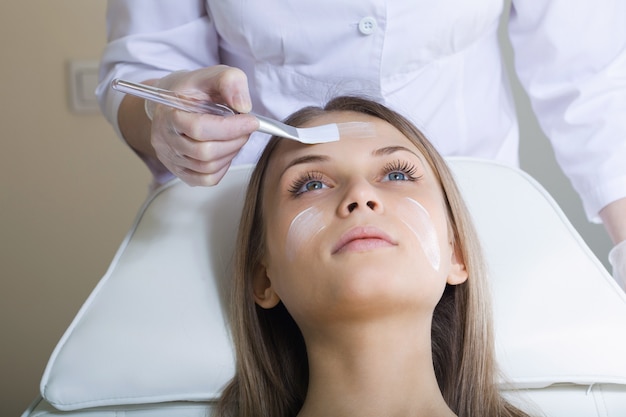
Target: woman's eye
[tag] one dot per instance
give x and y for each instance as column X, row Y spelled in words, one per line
column 396, row 176
column 400, row 171
column 309, row 182
column 312, row 186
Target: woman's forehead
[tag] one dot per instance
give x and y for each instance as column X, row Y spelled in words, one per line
column 380, row 134
column 338, row 116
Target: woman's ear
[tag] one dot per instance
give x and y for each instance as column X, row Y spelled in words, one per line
column 458, row 273
column 264, row 294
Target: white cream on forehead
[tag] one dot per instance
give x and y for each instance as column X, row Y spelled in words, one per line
column 417, row 219
column 303, row 227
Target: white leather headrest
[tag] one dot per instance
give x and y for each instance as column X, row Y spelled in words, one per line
column 559, row 316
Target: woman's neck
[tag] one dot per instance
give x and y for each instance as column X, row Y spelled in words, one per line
column 374, row 369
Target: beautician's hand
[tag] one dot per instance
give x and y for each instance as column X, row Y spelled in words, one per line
column 614, row 219
column 617, row 257
column 198, row 148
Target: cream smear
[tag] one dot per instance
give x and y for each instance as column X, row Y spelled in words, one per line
column 417, row 219
column 303, row 227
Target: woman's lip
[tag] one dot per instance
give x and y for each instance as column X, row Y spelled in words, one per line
column 362, row 238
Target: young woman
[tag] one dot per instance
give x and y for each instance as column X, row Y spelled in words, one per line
column 359, row 284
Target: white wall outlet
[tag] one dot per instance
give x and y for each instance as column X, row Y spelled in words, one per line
column 82, row 83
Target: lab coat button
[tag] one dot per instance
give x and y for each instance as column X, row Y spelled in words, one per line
column 367, row 25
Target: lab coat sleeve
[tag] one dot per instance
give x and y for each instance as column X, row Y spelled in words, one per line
column 149, row 39
column 571, row 59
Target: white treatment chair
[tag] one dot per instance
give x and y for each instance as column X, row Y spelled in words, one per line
column 151, row 340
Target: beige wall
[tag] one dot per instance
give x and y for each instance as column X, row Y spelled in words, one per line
column 70, row 188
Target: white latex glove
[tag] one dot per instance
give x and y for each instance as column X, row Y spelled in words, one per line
column 617, row 258
column 198, row 148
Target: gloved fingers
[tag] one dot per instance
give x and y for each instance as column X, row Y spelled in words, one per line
column 195, row 171
column 197, row 162
column 200, row 154
column 211, row 161
column 204, row 127
column 224, row 84
column 197, row 148
column 203, row 137
column 168, row 83
column 220, row 84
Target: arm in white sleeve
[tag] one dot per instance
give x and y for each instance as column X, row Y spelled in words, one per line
column 148, row 39
column 617, row 257
column 571, row 58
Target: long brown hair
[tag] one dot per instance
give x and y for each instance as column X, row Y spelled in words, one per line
column 271, row 363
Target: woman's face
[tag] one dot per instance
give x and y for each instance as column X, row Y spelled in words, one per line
column 354, row 227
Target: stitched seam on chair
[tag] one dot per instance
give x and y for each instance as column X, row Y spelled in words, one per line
column 598, row 398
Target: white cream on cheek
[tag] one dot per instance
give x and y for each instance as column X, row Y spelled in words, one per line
column 418, row 220
column 303, row 227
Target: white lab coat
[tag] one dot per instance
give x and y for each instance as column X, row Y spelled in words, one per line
column 437, row 62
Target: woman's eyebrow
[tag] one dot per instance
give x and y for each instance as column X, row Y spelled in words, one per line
column 388, row 150
column 305, row 160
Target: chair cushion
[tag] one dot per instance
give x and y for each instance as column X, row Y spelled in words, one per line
column 559, row 316
column 154, row 328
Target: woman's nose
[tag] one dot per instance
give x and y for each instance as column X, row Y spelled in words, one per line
column 360, row 195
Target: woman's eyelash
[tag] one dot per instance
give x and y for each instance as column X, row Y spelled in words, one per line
column 296, row 186
column 406, row 167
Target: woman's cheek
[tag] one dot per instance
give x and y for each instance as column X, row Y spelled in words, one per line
column 303, row 228
column 419, row 221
